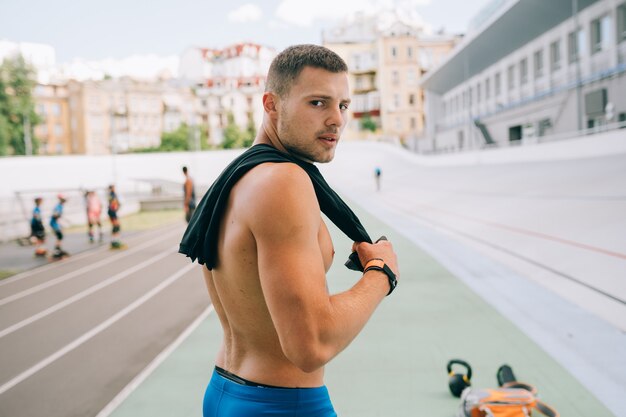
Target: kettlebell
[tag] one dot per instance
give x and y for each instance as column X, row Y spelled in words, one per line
column 458, row 382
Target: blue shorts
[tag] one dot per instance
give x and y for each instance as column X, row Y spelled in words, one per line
column 225, row 398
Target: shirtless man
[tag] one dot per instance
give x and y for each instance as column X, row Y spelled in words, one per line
column 268, row 286
column 189, row 203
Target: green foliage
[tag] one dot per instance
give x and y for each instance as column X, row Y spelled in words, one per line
column 250, row 133
column 367, row 123
column 182, row 139
column 177, row 140
column 17, row 106
column 233, row 136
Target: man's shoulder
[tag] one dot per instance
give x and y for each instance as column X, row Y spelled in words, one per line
column 277, row 176
column 275, row 186
column 275, row 197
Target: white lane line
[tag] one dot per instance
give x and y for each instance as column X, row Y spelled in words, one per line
column 84, row 293
column 74, row 258
column 80, row 271
column 94, row 331
column 148, row 370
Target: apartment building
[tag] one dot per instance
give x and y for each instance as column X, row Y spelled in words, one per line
column 53, row 132
column 530, row 70
column 180, row 105
column 227, row 82
column 115, row 115
column 386, row 56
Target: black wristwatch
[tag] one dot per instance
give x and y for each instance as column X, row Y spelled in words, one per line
column 378, row 264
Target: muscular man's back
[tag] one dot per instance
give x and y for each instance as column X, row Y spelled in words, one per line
column 252, row 348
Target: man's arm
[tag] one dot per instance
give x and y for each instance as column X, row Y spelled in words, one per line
column 285, row 218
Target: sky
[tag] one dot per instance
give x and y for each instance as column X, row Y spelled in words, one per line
column 97, row 30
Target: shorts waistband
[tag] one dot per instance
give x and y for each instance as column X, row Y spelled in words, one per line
column 268, row 394
column 242, row 381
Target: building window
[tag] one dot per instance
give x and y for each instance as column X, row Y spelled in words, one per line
column 425, row 57
column 394, row 52
column 58, row 130
column 412, row 99
column 409, row 52
column 358, row 83
column 356, row 59
column 410, row 77
column 470, row 94
column 487, row 88
column 575, row 45
column 523, row 71
column 478, row 91
column 600, row 29
column 555, row 55
column 511, row 77
column 413, row 123
column 497, row 84
column 621, row 23
column 395, row 77
column 538, row 63
column 396, row 100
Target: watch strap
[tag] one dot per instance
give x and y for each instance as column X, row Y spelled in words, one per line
column 378, row 264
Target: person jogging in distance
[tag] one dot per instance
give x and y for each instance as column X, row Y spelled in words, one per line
column 266, row 250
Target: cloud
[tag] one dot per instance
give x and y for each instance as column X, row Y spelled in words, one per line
column 299, row 13
column 146, row 67
column 246, row 13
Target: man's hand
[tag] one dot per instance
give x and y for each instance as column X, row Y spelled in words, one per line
column 381, row 249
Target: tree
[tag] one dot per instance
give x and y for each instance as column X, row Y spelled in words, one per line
column 177, row 140
column 233, row 136
column 181, row 139
column 17, row 106
column 367, row 123
column 250, row 133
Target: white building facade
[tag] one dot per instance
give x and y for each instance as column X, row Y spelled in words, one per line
column 533, row 69
column 226, row 82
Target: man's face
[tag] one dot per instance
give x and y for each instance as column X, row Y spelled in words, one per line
column 313, row 114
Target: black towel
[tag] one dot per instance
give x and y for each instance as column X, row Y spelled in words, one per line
column 200, row 238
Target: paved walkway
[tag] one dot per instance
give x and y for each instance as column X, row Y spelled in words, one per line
column 15, row 258
column 396, row 367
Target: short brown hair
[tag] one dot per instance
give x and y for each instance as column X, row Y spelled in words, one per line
column 288, row 64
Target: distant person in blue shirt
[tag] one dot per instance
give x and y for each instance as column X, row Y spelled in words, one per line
column 377, row 174
column 55, row 224
column 37, row 230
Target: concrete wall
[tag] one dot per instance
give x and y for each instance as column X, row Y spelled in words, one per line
column 600, row 144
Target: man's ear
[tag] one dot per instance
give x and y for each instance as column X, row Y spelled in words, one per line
column 270, row 103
